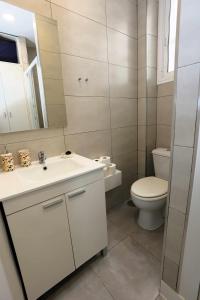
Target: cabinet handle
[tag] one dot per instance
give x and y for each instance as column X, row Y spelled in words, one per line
column 76, row 193
column 52, row 203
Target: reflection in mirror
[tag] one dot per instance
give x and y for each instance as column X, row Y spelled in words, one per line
column 20, row 94
column 26, row 41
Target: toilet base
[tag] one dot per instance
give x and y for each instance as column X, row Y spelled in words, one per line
column 150, row 219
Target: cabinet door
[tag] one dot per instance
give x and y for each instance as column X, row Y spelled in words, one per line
column 15, row 96
column 42, row 242
column 4, row 122
column 87, row 218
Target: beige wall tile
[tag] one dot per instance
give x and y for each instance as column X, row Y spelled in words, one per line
column 141, row 163
column 122, row 50
column 166, row 89
column 163, row 136
column 51, row 146
column 186, row 104
column 92, row 9
column 152, row 17
column 51, row 65
column 170, row 273
column 181, row 172
column 175, row 229
column 124, row 140
column 126, row 12
column 87, row 114
column 151, row 44
column 151, row 137
column 142, row 17
column 151, row 111
column 30, row 135
column 56, row 115
column 142, row 52
column 127, row 163
column 123, row 82
column 142, row 111
column 123, row 112
column 142, row 138
column 80, row 36
column 149, row 162
column 40, row 6
column 151, row 82
column 2, row 149
column 142, row 83
column 75, row 68
column 54, row 91
column 189, row 30
column 91, row 144
column 164, row 110
column 47, row 33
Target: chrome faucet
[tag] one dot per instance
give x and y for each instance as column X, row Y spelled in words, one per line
column 41, row 157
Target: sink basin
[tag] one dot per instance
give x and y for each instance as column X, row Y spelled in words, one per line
column 59, row 169
column 56, row 168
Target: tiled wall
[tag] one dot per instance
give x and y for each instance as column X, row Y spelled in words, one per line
column 164, row 114
column 186, row 102
column 147, row 83
column 102, row 106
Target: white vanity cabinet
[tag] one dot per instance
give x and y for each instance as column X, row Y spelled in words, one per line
column 41, row 238
column 87, row 220
column 56, row 229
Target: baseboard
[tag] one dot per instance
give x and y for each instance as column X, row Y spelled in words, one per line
column 168, row 294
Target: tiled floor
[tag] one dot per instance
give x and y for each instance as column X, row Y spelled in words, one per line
column 130, row 271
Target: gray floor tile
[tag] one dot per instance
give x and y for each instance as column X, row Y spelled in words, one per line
column 84, row 285
column 150, row 240
column 129, row 272
column 124, row 217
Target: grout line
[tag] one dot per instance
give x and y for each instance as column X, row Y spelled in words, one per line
column 33, row 140
column 98, row 22
column 108, row 78
column 98, row 60
column 145, row 248
column 102, row 282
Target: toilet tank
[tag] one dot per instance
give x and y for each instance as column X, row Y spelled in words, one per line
column 161, row 159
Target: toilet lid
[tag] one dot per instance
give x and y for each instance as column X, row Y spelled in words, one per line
column 150, row 187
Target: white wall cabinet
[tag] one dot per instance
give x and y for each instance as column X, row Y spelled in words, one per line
column 53, row 235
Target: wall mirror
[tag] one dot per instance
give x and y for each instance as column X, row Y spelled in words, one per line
column 31, row 85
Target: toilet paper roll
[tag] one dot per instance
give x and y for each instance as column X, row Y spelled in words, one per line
column 105, row 171
column 105, row 160
column 111, row 169
column 96, row 160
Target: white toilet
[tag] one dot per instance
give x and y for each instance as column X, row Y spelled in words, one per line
column 150, row 194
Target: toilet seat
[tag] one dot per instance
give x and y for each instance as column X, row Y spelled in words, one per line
column 150, row 188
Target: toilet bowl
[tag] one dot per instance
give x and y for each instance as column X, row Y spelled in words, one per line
column 149, row 194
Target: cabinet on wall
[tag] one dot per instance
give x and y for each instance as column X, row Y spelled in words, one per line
column 53, row 236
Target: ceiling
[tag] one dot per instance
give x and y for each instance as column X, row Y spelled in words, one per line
column 16, row 21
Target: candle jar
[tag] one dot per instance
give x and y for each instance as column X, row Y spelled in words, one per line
column 7, row 162
column 24, row 157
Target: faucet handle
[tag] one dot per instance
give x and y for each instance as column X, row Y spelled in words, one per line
column 41, row 156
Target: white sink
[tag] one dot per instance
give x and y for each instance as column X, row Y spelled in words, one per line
column 54, row 168
column 24, row 180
